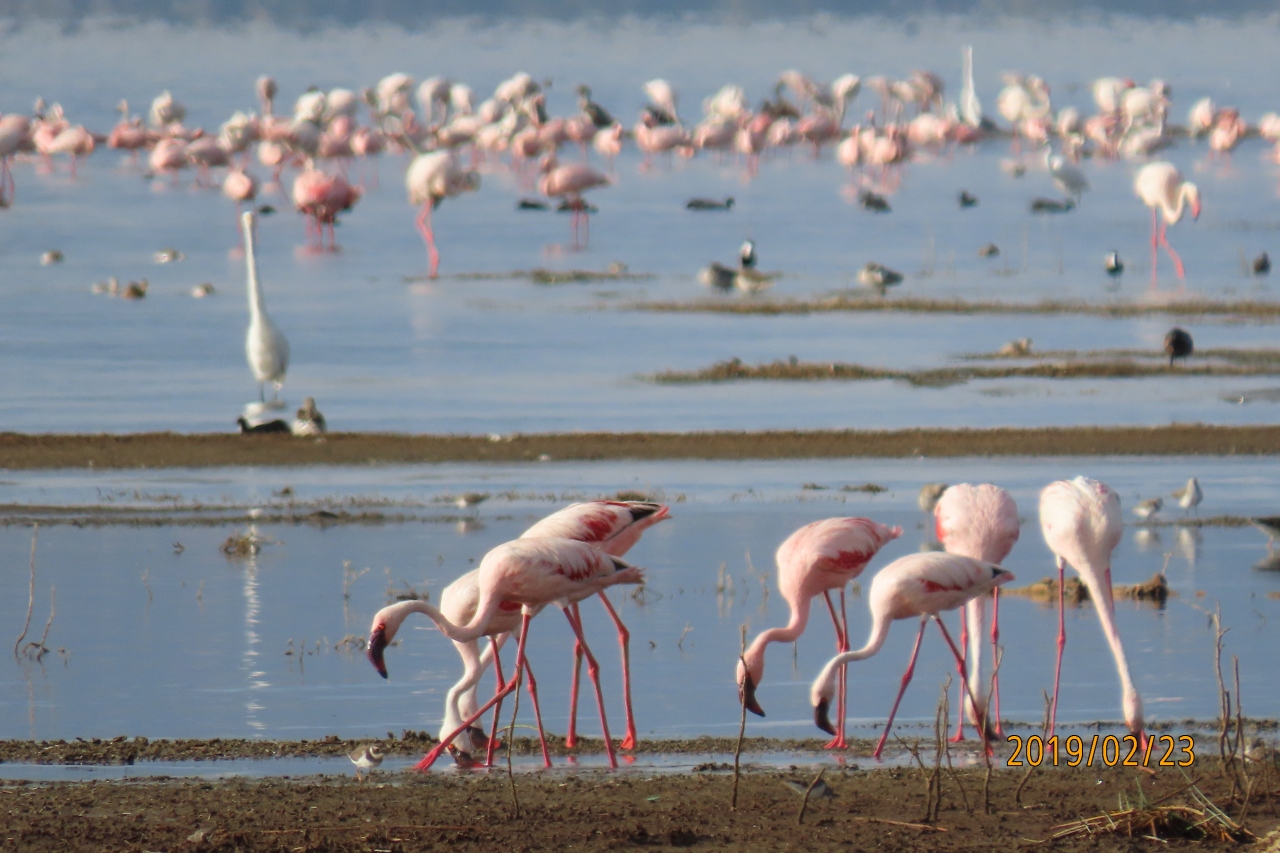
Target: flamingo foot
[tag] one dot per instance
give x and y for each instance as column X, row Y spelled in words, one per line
column 837, row 742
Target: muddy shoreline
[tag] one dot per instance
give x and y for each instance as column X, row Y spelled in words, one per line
column 177, row 450
column 852, row 809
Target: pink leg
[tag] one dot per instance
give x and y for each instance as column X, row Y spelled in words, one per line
column 842, row 645
column 1177, row 261
column 906, row 679
column 571, row 735
column 497, row 710
column 537, row 714
column 961, row 666
column 430, row 757
column 995, row 659
column 946, row 635
column 844, row 671
column 1155, row 249
column 624, row 643
column 586, row 226
column 593, row 670
column 1062, row 643
column 428, row 236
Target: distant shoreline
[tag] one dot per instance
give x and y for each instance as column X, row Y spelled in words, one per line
column 20, row 451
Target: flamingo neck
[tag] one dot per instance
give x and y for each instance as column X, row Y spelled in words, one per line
column 824, row 686
column 394, row 615
column 1099, row 585
column 1173, row 214
column 754, row 655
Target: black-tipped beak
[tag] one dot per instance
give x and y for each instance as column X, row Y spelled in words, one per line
column 377, row 643
column 747, row 695
column 820, row 717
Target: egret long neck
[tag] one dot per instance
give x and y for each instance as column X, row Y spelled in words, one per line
column 256, row 308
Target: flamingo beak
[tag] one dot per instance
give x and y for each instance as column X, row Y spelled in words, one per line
column 821, row 718
column 747, row 695
column 1195, row 209
column 377, row 643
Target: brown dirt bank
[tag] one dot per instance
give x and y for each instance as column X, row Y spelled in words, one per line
column 172, row 450
column 597, row 810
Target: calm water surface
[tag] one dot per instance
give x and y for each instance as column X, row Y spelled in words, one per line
column 382, row 352
column 193, row 644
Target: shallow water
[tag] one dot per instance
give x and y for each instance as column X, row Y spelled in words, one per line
column 381, row 352
column 194, row 644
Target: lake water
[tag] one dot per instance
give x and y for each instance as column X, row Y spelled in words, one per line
column 380, row 351
column 194, row 644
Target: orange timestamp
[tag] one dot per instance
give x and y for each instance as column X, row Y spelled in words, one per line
column 1112, row 751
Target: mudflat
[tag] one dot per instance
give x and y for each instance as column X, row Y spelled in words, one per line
column 177, row 450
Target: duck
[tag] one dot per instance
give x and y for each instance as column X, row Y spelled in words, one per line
column 275, row 425
column 745, row 278
column 967, row 200
column 709, row 204
column 874, row 202
column 1178, row 344
column 1052, row 205
column 1262, row 264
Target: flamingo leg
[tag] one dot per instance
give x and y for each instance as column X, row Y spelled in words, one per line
column 1155, row 248
column 844, row 671
column 1177, row 261
column 946, row 635
column 593, row 670
column 624, row 642
column 1062, row 643
column 423, row 222
column 842, row 645
column 995, row 660
column 497, row 710
column 586, row 226
column 962, row 667
column 906, row 679
column 537, row 715
column 430, row 757
column 571, row 735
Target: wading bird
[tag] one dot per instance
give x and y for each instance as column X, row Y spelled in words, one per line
column 1082, row 525
column 920, row 585
column 265, row 346
column 1161, row 188
column 816, row 559
column 979, row 522
column 431, row 179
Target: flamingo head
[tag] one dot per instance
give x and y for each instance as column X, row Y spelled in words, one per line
column 747, row 682
column 1192, row 192
column 824, row 688
column 377, row 644
column 1133, row 717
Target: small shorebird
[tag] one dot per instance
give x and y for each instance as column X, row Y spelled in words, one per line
column 929, row 495
column 365, row 758
column 1148, row 508
column 470, row 499
column 308, row 421
column 878, row 277
column 1262, row 264
column 1189, row 496
column 1113, row 265
column 1022, row 346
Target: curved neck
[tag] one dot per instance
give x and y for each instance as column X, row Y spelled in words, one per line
column 824, row 685
column 754, row 656
column 1173, row 214
column 1100, row 591
column 251, row 261
column 394, row 615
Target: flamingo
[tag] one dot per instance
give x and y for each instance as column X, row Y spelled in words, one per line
column 531, row 573
column 921, row 585
column 817, row 558
column 1160, row 185
column 979, row 522
column 432, row 178
column 613, row 527
column 14, row 131
column 570, row 182
column 1082, row 525
column 239, row 186
column 265, row 346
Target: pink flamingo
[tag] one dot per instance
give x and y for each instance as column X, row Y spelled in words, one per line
column 816, row 559
column 532, row 573
column 239, row 186
column 570, row 182
column 613, row 527
column 74, row 141
column 1160, row 185
column 916, row 585
column 15, row 131
column 1082, row 525
column 168, row 156
column 432, row 178
column 979, row 522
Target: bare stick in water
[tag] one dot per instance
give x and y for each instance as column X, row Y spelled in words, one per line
column 31, row 593
column 807, row 791
column 742, row 726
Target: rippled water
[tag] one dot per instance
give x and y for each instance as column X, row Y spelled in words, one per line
column 194, row 644
column 380, row 351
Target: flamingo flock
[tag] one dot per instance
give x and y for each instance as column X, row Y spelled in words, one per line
column 329, row 139
column 576, row 553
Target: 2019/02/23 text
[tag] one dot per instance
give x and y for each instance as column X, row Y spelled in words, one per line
column 1112, row 751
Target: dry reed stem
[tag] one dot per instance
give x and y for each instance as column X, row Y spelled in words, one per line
column 804, row 805
column 31, row 593
column 742, row 727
